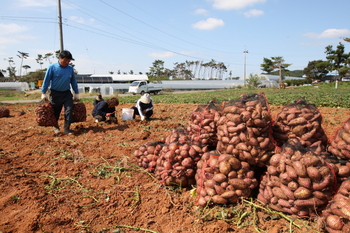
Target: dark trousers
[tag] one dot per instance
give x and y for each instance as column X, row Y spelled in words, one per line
column 147, row 115
column 64, row 99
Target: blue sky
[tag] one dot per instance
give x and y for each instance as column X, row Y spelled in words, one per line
column 110, row 35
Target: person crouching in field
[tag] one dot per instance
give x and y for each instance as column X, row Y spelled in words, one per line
column 105, row 110
column 144, row 107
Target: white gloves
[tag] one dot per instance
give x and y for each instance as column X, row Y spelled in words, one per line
column 44, row 96
column 143, row 118
column 76, row 97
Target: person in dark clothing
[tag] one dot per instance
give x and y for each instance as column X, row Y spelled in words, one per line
column 60, row 78
column 97, row 99
column 105, row 109
column 144, row 107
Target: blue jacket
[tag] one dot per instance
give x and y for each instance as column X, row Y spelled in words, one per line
column 59, row 78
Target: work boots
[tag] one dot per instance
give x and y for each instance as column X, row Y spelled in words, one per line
column 67, row 130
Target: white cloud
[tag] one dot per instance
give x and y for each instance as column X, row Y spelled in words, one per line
column 254, row 13
column 161, row 55
column 201, row 12
column 77, row 19
column 12, row 28
column 329, row 33
column 234, row 4
column 36, row 3
column 209, row 24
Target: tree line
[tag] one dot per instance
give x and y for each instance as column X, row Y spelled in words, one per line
column 336, row 60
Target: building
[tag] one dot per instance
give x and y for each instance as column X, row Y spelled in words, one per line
column 110, row 78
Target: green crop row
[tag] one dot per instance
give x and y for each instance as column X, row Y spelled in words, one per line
column 331, row 98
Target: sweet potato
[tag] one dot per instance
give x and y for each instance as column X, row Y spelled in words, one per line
column 334, row 222
column 272, row 170
column 219, row 177
column 284, row 203
column 293, row 185
column 305, row 182
column 279, row 193
column 224, row 167
column 341, row 208
column 242, row 146
column 302, row 193
column 275, row 160
column 287, row 192
column 297, row 121
column 264, row 144
column 327, row 181
column 314, row 174
column 291, row 172
column 311, row 202
column 311, row 160
column 217, row 199
column 228, row 194
column 237, row 183
column 345, row 136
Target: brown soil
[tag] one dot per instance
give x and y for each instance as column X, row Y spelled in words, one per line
column 88, row 182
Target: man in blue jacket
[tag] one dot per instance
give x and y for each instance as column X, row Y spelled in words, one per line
column 60, row 78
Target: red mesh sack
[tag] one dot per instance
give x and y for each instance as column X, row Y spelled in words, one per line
column 45, row 114
column 79, row 112
column 340, row 144
column 336, row 217
column 298, row 182
column 202, row 124
column 4, row 112
column 146, row 155
column 301, row 122
column 223, row 179
column 244, row 130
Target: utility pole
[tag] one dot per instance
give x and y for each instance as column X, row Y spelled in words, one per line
column 60, row 25
column 245, row 55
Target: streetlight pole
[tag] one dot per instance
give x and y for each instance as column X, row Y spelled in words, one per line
column 60, row 25
column 245, row 55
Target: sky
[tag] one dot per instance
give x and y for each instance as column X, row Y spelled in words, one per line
column 108, row 35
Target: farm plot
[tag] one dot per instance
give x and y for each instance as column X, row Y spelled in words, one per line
column 90, row 181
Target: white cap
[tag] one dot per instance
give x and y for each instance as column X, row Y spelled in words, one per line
column 146, row 99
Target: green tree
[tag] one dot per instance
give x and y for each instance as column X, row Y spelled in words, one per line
column 1, row 73
column 26, row 67
column 39, row 60
column 316, row 70
column 338, row 60
column 48, row 56
column 275, row 63
column 34, row 76
column 22, row 55
column 180, row 71
column 11, row 69
column 254, row 80
column 157, row 70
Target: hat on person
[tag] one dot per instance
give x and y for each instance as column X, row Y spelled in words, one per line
column 66, row 54
column 146, row 99
column 99, row 98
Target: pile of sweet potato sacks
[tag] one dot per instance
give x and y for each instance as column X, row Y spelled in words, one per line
column 234, row 149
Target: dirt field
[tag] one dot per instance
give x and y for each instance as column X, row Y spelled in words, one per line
column 88, row 182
